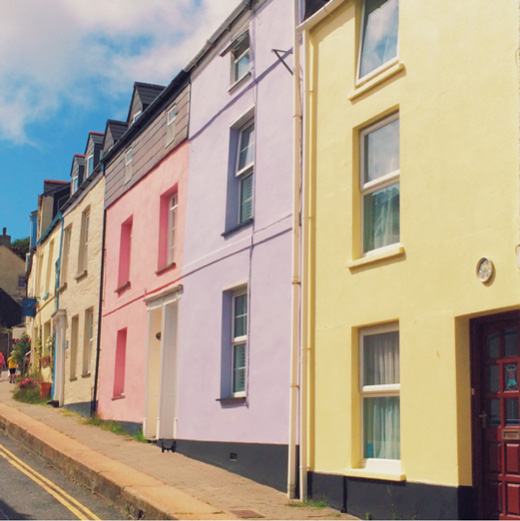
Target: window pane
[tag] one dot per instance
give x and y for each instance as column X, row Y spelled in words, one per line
column 511, row 377
column 239, row 368
column 380, row 29
column 511, row 341
column 381, row 151
column 381, row 427
column 512, row 416
column 242, row 66
column 494, row 378
column 493, row 344
column 240, row 319
column 246, row 198
column 381, row 218
column 381, row 358
column 247, row 144
column 494, row 412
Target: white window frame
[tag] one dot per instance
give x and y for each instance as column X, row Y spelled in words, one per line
column 83, row 252
column 173, row 203
column 88, row 163
column 376, row 184
column 376, row 391
column 129, row 158
column 383, row 66
column 171, row 117
column 75, row 183
column 238, row 341
column 67, row 234
column 88, row 341
column 136, row 116
column 246, row 171
column 235, row 58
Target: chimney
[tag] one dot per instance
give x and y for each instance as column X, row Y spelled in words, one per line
column 5, row 240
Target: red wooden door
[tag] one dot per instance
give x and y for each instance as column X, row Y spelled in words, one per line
column 497, row 418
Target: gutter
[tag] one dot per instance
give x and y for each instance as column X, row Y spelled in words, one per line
column 319, row 15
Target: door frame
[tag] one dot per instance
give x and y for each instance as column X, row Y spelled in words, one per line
column 161, row 301
column 476, row 392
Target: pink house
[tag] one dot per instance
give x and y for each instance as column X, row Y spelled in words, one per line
column 146, row 168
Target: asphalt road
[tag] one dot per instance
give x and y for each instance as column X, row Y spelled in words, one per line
column 30, row 488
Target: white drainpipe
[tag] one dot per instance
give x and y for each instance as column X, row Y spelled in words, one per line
column 301, row 344
column 295, row 296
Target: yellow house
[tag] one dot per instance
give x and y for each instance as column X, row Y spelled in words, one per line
column 41, row 283
column 411, row 166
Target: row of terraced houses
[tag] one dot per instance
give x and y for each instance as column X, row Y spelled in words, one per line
column 300, row 259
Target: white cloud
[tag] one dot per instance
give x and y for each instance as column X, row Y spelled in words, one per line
column 61, row 51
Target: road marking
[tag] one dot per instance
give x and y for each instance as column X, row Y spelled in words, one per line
column 72, row 504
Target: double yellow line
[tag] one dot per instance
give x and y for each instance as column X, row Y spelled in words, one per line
column 74, row 506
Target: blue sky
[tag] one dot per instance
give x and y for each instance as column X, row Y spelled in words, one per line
column 68, row 66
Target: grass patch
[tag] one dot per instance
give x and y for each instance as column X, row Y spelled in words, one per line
column 140, row 437
column 314, row 503
column 115, row 427
column 106, row 425
column 29, row 395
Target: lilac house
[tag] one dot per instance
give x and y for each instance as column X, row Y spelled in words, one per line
column 235, row 319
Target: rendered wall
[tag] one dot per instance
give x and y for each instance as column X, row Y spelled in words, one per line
column 82, row 293
column 258, row 254
column 126, row 309
column 458, row 106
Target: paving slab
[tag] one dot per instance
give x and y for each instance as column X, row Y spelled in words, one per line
column 137, row 476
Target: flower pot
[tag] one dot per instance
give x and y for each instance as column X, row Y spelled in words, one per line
column 45, row 389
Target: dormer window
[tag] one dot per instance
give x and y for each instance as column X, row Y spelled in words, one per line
column 75, row 184
column 171, row 116
column 90, row 165
column 137, row 115
column 240, row 58
column 129, row 157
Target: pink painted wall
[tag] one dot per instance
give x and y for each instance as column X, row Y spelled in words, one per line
column 126, row 309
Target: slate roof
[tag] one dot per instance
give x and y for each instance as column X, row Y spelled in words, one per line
column 147, row 92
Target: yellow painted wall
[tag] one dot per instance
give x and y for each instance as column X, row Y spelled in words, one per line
column 41, row 326
column 459, row 187
column 11, row 268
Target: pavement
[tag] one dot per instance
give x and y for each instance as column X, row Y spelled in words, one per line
column 137, row 477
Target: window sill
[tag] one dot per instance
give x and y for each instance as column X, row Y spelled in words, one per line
column 119, row 397
column 383, row 76
column 85, row 375
column 81, row 275
column 236, row 228
column 166, row 268
column 232, row 400
column 123, row 286
column 63, row 287
column 73, row 378
column 239, row 82
column 397, row 250
column 371, row 474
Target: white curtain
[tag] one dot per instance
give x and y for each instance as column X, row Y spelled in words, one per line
column 381, row 414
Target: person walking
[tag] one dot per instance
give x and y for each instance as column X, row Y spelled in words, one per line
column 2, row 363
column 12, row 364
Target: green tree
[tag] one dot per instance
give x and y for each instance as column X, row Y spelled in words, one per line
column 20, row 247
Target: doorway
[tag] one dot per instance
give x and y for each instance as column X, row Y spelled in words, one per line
column 495, row 348
column 160, row 421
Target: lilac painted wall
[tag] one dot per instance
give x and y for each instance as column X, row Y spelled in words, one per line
column 258, row 254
